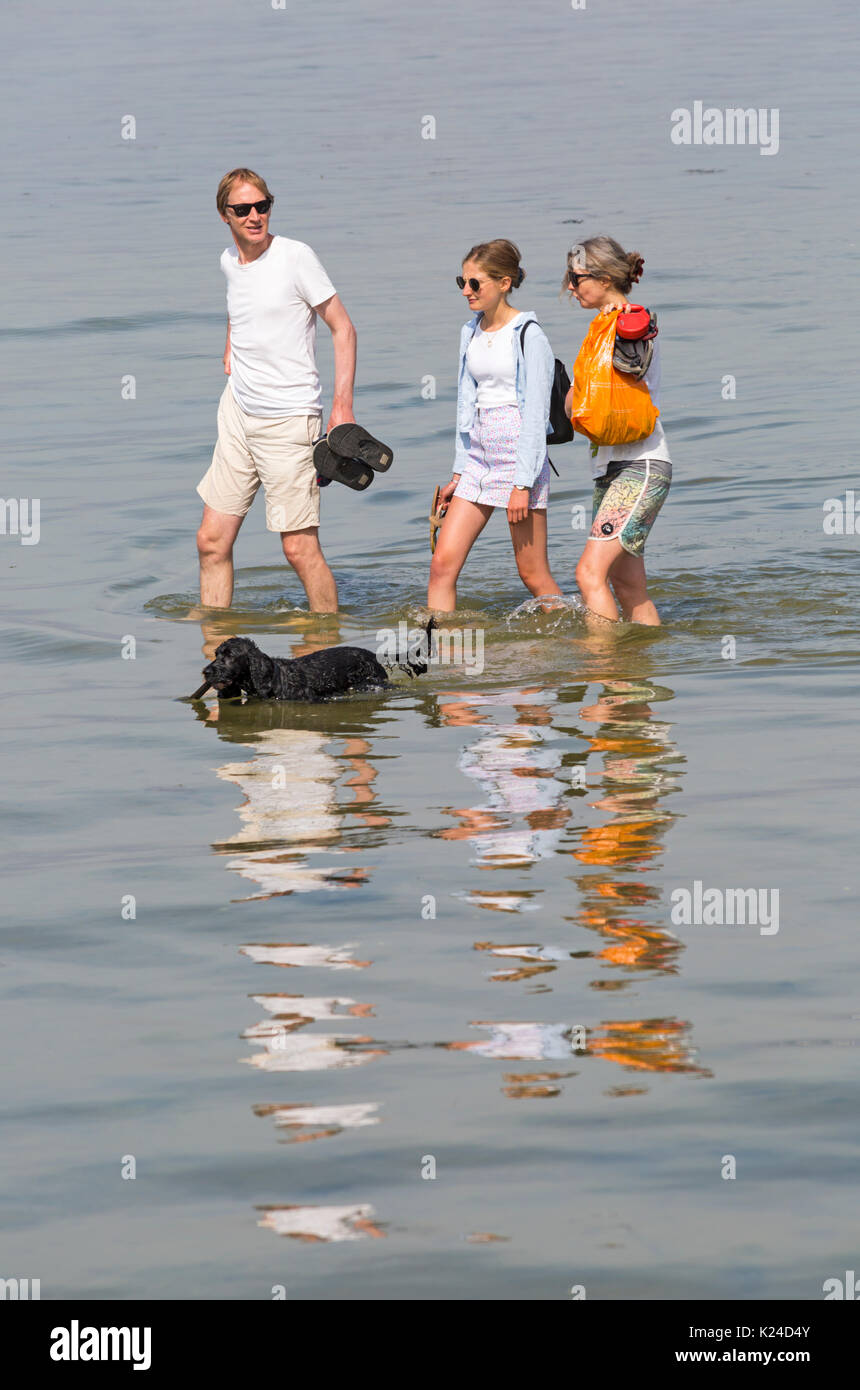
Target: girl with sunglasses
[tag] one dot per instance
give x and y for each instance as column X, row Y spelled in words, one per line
column 631, row 481
column 503, row 396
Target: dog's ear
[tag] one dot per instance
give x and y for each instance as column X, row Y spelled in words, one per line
column 262, row 672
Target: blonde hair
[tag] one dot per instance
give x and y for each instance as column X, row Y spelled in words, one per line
column 602, row 257
column 498, row 258
column 222, row 197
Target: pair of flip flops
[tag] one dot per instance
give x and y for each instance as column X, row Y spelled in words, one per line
column 350, row 455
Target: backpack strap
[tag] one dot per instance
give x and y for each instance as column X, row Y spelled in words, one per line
column 522, row 345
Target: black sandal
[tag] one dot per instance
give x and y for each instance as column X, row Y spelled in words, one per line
column 351, row 472
column 354, row 442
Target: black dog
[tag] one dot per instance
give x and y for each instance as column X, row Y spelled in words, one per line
column 241, row 668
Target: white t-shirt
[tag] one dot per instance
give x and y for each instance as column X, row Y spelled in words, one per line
column 490, row 359
column 654, row 447
column 270, row 301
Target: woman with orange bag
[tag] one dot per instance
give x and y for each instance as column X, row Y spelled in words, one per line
column 631, row 478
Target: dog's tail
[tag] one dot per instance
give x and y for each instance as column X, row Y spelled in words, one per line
column 416, row 659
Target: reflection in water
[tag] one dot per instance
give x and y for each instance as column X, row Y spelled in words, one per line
column 638, row 756
column 588, row 791
column 652, row 1044
column 308, row 1122
column 288, row 1047
column 512, row 901
column 285, row 1051
column 321, row 1223
column 291, row 812
column 527, row 814
column 291, row 953
column 313, row 631
column 303, row 1009
column 304, row 786
column 520, row 1041
column 314, row 1052
column 294, row 809
column 525, row 952
column 534, row 1085
column 517, row 766
column 526, row 1042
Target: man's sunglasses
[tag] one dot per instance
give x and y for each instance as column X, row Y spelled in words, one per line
column 474, row 285
column 573, row 279
column 243, row 210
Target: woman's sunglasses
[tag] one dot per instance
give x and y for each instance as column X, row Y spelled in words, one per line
column 474, row 285
column 573, row 279
column 243, row 210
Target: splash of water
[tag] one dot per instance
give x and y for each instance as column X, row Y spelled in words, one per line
column 548, row 613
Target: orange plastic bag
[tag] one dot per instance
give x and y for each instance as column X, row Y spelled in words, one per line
column 608, row 406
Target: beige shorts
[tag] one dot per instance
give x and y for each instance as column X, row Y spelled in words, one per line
column 277, row 453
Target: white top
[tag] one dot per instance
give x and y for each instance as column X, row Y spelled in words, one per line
column 654, row 447
column 491, row 360
column 270, row 302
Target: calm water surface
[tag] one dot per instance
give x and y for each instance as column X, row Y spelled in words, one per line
column 285, row 1034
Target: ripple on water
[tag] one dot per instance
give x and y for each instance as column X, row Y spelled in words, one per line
column 777, row 615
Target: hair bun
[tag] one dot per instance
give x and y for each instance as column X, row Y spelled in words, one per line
column 637, row 265
column 521, row 275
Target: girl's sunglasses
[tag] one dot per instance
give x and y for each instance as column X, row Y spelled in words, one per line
column 573, row 279
column 243, row 210
column 474, row 285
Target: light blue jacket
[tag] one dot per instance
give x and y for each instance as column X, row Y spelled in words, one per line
column 534, row 375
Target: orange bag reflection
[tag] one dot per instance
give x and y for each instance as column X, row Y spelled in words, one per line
column 608, row 406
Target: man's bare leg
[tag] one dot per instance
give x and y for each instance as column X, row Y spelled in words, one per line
column 215, row 538
column 303, row 551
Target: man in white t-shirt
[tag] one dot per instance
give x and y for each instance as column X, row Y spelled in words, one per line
column 270, row 413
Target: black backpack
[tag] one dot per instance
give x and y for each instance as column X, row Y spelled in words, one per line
column 560, row 428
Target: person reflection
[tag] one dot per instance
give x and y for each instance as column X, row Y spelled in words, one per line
column 524, row 817
column 322, row 1224
column 299, row 804
column 641, row 766
column 315, row 631
column 518, row 767
column 308, row 781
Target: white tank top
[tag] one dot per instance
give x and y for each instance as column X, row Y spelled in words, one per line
column 490, row 359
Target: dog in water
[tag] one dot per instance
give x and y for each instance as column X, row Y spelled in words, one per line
column 240, row 668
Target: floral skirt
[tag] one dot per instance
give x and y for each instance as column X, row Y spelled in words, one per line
column 488, row 477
